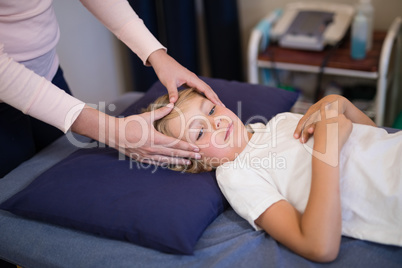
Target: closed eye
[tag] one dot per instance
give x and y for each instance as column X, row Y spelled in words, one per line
column 212, row 111
column 200, row 134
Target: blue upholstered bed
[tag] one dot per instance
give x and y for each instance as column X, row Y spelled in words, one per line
column 226, row 240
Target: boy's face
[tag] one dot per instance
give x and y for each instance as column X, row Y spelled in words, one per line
column 216, row 130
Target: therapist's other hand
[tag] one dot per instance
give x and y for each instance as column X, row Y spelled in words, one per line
column 135, row 136
column 139, row 140
column 172, row 75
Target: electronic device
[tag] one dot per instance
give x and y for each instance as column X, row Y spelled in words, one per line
column 312, row 25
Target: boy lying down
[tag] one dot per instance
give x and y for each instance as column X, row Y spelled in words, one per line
column 345, row 180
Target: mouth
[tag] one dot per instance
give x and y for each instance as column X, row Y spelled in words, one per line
column 229, row 130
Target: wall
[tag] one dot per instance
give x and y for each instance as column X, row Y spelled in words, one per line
column 89, row 54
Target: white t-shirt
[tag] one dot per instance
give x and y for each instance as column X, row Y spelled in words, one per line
column 275, row 166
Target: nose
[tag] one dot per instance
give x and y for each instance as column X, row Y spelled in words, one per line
column 219, row 122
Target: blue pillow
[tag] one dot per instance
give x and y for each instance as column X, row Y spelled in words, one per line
column 93, row 191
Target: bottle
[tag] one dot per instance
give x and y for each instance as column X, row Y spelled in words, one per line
column 359, row 36
column 368, row 11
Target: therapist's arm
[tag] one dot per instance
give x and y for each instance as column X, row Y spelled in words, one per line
column 34, row 95
column 135, row 136
column 121, row 20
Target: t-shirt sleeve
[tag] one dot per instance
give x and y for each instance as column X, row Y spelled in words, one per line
column 247, row 192
column 124, row 23
column 34, row 95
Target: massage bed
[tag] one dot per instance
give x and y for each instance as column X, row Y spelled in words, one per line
column 225, row 240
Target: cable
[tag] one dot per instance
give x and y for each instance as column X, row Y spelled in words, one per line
column 318, row 92
column 274, row 70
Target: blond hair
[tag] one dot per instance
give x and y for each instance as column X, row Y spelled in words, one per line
column 161, row 125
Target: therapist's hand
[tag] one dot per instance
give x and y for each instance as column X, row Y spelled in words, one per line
column 139, row 140
column 172, row 75
column 135, row 136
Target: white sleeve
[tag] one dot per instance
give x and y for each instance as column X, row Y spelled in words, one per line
column 122, row 21
column 34, row 95
column 247, row 192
